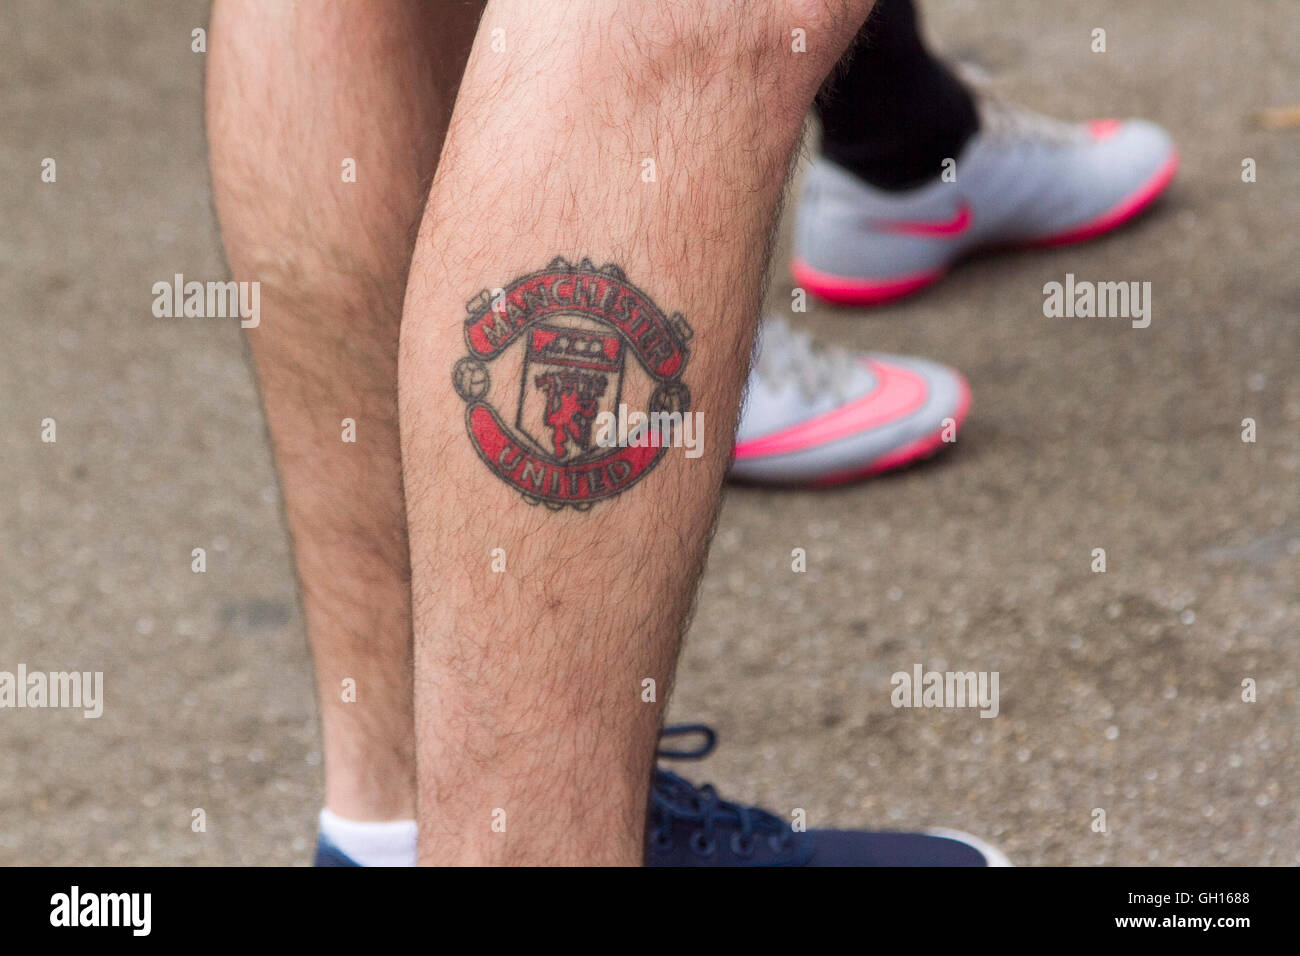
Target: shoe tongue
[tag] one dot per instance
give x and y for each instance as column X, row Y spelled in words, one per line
column 677, row 790
column 1006, row 121
column 786, row 355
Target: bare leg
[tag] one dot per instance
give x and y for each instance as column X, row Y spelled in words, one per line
column 294, row 90
column 529, row 681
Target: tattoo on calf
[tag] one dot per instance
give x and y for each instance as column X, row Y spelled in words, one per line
column 576, row 327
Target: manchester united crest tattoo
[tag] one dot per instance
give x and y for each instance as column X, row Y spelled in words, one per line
column 589, row 340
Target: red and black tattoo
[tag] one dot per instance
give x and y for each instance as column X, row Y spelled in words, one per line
column 576, row 327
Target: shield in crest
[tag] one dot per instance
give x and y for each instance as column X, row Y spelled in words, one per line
column 570, row 376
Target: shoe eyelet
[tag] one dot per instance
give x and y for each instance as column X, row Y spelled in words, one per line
column 661, row 840
column 780, row 843
column 701, row 845
column 742, row 846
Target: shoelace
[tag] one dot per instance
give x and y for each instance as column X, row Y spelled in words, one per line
column 675, row 800
column 1008, row 122
column 785, row 353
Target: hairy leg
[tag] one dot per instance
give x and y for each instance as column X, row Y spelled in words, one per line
column 294, row 91
column 654, row 138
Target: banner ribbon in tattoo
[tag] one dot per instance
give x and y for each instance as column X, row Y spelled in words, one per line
column 577, row 320
column 603, row 295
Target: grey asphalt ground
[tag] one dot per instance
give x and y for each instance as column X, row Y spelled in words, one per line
column 1119, row 691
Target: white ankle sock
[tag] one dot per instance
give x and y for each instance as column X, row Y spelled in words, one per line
column 391, row 843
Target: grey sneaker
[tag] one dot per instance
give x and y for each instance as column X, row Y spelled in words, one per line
column 1022, row 179
column 823, row 415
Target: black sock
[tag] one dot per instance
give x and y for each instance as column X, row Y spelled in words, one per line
column 891, row 112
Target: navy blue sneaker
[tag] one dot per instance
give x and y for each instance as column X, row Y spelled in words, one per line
column 688, row 825
column 693, row 826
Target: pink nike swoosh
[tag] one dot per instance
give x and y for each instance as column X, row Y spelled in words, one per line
column 952, row 227
column 898, row 393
